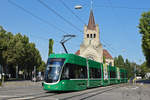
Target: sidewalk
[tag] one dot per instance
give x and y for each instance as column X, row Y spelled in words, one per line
column 24, row 83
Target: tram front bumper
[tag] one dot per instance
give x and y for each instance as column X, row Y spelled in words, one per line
column 50, row 87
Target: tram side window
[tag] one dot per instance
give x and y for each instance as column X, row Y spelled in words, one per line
column 95, row 73
column 125, row 75
column 122, row 75
column 112, row 74
column 73, row 71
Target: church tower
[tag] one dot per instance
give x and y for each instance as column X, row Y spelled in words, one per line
column 91, row 47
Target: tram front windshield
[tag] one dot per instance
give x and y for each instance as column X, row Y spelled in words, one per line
column 53, row 69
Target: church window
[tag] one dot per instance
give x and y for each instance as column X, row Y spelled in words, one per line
column 94, row 35
column 91, row 35
column 87, row 35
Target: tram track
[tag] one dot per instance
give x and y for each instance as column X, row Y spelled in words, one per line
column 12, row 89
column 24, row 96
column 86, row 95
column 33, row 96
column 83, row 94
column 97, row 93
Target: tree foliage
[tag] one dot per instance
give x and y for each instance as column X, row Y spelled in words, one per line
column 42, row 67
column 144, row 29
column 144, row 69
column 51, row 43
column 126, row 64
column 119, row 61
column 104, row 59
column 16, row 50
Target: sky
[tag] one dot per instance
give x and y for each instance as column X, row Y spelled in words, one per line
column 118, row 21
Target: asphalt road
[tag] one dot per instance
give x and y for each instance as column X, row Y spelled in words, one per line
column 27, row 90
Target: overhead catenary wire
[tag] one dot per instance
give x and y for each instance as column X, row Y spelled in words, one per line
column 110, row 48
column 106, row 43
column 35, row 16
column 60, row 16
column 65, row 5
column 123, row 7
column 83, row 22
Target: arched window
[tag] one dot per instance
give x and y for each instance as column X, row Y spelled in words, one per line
column 94, row 35
column 90, row 35
column 87, row 35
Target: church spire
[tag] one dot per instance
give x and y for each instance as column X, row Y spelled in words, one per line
column 91, row 23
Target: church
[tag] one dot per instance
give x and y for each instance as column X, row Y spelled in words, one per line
column 91, row 46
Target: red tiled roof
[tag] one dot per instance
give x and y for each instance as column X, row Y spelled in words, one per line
column 78, row 52
column 105, row 54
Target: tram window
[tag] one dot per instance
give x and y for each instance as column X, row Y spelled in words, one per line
column 95, row 73
column 112, row 74
column 122, row 75
column 99, row 73
column 74, row 71
column 65, row 73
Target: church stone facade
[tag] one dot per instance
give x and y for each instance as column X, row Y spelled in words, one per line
column 91, row 46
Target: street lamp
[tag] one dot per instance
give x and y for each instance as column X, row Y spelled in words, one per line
column 78, row 7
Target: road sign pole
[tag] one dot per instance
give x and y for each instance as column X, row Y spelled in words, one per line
column 135, row 74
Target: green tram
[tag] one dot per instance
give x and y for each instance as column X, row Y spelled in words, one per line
column 69, row 72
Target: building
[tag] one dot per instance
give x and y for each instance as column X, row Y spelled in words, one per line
column 108, row 58
column 91, row 46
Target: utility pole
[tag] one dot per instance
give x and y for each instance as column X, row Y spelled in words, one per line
column 34, row 73
column 17, row 72
column 0, row 75
column 135, row 71
column 65, row 39
column 135, row 74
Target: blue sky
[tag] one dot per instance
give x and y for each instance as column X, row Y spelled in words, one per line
column 117, row 19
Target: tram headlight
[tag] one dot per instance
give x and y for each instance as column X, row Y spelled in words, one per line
column 48, row 86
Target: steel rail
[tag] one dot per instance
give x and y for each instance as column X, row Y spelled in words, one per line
column 43, row 94
column 94, row 92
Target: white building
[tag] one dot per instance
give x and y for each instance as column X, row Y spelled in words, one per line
column 91, row 46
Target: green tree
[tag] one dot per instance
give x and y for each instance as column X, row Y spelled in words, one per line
column 129, row 66
column 16, row 50
column 144, row 29
column 104, row 59
column 51, row 43
column 42, row 67
column 119, row 61
column 144, row 69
